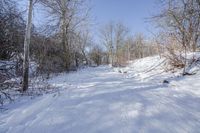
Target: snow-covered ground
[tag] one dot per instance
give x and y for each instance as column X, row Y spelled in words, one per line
column 106, row 100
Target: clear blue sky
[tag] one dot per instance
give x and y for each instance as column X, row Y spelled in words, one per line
column 133, row 13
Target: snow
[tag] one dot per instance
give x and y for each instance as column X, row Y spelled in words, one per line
column 107, row 100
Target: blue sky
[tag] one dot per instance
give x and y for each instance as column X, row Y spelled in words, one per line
column 132, row 13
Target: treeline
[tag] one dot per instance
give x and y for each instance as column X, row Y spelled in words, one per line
column 60, row 44
column 121, row 46
column 57, row 48
column 178, row 25
column 64, row 41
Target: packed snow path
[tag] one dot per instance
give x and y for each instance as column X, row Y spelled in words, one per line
column 100, row 100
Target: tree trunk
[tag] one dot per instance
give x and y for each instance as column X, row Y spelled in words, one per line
column 85, row 57
column 64, row 35
column 194, row 45
column 128, row 52
column 111, row 56
column 26, row 48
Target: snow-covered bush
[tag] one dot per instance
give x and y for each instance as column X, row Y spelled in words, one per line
column 190, row 62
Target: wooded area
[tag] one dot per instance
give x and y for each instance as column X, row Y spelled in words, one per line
column 99, row 66
column 65, row 42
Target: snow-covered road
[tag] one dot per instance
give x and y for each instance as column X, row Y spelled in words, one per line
column 100, row 100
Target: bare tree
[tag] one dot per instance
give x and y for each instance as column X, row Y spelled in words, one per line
column 26, row 48
column 113, row 37
column 139, row 43
column 120, row 38
column 96, row 55
column 107, row 36
column 182, row 19
column 83, row 41
column 69, row 15
column 129, row 43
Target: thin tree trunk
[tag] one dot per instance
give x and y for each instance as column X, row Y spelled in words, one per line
column 111, row 56
column 128, row 52
column 26, row 48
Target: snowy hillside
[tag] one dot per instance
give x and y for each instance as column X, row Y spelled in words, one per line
column 107, row 100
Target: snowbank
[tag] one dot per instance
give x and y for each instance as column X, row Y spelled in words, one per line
column 103, row 100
